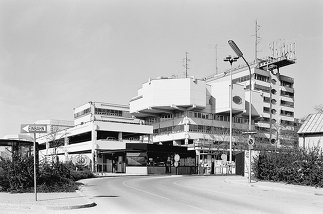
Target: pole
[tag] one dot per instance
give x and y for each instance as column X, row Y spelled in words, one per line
column 231, row 86
column 250, row 111
column 35, row 182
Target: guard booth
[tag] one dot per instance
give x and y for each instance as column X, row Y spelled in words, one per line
column 159, row 159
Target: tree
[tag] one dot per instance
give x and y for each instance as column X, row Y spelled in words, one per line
column 319, row 108
column 54, row 140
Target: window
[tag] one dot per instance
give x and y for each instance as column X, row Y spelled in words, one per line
column 109, row 112
column 273, row 91
column 261, row 78
column 266, row 99
column 287, row 94
column 81, row 113
column 273, row 101
column 266, row 109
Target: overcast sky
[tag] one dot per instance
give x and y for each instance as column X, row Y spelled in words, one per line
column 59, row 54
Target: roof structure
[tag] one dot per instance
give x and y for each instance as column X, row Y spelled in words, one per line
column 312, row 124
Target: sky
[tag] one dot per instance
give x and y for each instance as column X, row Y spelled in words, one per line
column 56, row 55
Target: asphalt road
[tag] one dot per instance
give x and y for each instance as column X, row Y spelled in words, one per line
column 193, row 194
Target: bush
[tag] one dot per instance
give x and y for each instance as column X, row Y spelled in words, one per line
column 18, row 176
column 303, row 167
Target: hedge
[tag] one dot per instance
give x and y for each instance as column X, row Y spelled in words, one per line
column 17, row 175
column 302, row 167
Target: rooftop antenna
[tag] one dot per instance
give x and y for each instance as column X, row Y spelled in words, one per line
column 257, row 41
column 186, row 63
column 216, row 59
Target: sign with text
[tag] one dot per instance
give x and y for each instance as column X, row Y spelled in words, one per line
column 33, row 128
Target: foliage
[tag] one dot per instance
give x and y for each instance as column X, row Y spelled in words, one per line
column 302, row 167
column 17, row 175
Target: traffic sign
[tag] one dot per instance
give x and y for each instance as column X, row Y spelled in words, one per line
column 176, row 164
column 177, row 157
column 249, row 133
column 251, row 141
column 33, row 128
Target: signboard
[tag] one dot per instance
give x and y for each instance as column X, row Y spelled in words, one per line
column 33, row 128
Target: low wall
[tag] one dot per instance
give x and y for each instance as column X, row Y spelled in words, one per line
column 136, row 170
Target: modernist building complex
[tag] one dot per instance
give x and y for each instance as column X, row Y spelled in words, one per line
column 98, row 137
column 195, row 112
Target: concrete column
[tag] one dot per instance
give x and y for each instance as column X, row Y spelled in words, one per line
column 120, row 136
column 66, row 143
column 94, row 147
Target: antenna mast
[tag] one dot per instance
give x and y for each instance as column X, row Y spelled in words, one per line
column 257, row 42
column 216, row 59
column 186, row 64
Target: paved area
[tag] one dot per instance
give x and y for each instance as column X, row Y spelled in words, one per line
column 45, row 201
column 266, row 185
column 77, row 200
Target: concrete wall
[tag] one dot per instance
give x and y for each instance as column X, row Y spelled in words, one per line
column 168, row 92
column 311, row 142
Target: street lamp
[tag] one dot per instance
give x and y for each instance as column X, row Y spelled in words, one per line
column 231, row 60
column 240, row 54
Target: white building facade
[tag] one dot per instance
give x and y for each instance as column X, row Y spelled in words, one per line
column 98, row 137
column 196, row 112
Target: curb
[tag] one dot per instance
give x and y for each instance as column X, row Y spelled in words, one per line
column 70, row 207
column 317, row 192
column 33, row 206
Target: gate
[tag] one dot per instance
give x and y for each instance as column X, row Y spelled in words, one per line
column 240, row 163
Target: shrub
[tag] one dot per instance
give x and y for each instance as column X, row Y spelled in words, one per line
column 17, row 175
column 303, row 167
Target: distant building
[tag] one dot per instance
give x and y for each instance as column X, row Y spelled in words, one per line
column 20, row 144
column 98, row 138
column 311, row 132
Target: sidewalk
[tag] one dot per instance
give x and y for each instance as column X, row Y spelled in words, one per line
column 45, row 201
column 267, row 185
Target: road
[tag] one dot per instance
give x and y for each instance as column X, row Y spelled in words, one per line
column 195, row 194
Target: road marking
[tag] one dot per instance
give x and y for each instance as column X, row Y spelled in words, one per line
column 159, row 196
column 140, row 190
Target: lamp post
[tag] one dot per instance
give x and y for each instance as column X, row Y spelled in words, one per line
column 231, row 60
column 240, row 54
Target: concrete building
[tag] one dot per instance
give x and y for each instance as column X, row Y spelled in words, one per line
column 98, row 137
column 311, row 132
column 195, row 112
column 10, row 144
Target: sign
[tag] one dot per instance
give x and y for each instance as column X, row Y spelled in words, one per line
column 177, row 157
column 176, row 164
column 81, row 160
column 33, row 128
column 249, row 133
column 251, row 141
column 224, row 157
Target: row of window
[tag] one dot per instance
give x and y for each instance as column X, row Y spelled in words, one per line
column 192, row 114
column 282, row 102
column 263, row 79
column 110, row 112
column 197, row 128
column 81, row 113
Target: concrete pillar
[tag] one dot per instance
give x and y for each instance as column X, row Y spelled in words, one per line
column 66, row 143
column 94, row 147
column 120, row 136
